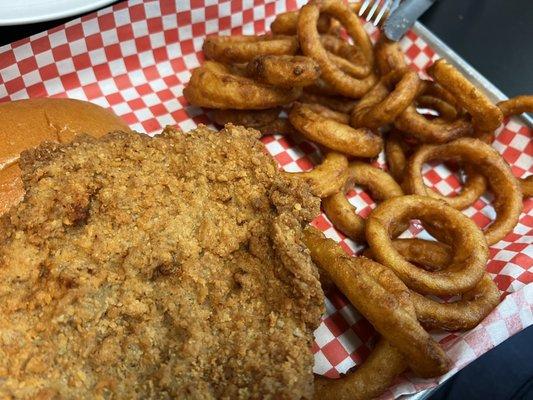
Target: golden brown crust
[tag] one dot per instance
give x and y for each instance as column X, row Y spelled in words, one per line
column 311, row 46
column 214, row 85
column 326, row 178
column 369, row 380
column 470, row 248
column 243, row 48
column 342, row 214
column 285, row 71
column 335, row 135
column 173, row 265
column 486, row 116
column 481, row 159
column 383, row 299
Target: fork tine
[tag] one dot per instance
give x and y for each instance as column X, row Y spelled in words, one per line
column 372, row 10
column 384, row 8
column 364, row 7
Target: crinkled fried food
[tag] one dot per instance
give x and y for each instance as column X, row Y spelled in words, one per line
column 382, row 298
column 215, row 85
column 234, row 49
column 339, row 210
column 326, row 178
column 166, row 267
column 284, row 71
column 483, row 159
column 470, row 256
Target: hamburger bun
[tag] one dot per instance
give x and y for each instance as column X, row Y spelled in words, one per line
column 27, row 123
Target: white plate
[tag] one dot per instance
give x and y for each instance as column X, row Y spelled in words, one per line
column 17, row 12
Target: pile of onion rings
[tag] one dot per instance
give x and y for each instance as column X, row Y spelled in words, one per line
column 354, row 99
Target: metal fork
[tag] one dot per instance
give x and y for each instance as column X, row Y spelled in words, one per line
column 378, row 8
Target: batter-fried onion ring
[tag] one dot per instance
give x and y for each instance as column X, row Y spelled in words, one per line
column 396, row 153
column 310, row 43
column 474, row 186
column 287, row 24
column 435, row 130
column 516, row 105
column 346, row 56
column 470, row 248
column 339, row 104
column 334, row 135
column 465, row 313
column 383, row 299
column 285, row 71
column 485, row 115
column 339, row 210
column 213, row 85
column 369, row 380
column 388, row 56
column 328, row 113
column 486, row 161
column 238, row 49
column 326, row 178
column 526, row 184
column 446, row 110
column 380, row 106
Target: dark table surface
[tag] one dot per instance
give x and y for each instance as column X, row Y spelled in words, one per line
column 496, row 37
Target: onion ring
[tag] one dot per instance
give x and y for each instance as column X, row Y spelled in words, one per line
column 516, row 105
column 463, row 314
column 326, row 178
column 214, row 86
column 334, row 135
column 287, row 24
column 339, row 104
column 471, row 250
column 339, row 210
column 383, row 299
column 485, row 115
column 429, row 255
column 238, row 49
column 285, row 71
column 396, row 152
column 446, row 111
column 311, row 46
column 486, row 161
column 433, row 89
column 346, row 56
column 466, row 313
column 328, row 113
column 369, row 380
column 388, row 56
column 380, row 106
column 246, row 118
column 475, row 184
column 321, row 88
column 436, row 130
column 526, row 185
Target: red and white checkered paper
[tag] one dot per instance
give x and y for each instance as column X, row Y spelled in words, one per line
column 135, row 58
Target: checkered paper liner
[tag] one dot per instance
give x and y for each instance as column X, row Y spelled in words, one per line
column 135, row 58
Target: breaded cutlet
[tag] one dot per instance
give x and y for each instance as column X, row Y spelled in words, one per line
column 165, row 267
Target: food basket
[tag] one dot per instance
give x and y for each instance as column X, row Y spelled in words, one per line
column 135, row 57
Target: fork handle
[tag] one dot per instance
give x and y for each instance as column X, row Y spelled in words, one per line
column 404, row 17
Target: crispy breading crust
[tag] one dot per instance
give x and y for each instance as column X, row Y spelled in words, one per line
column 166, row 267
